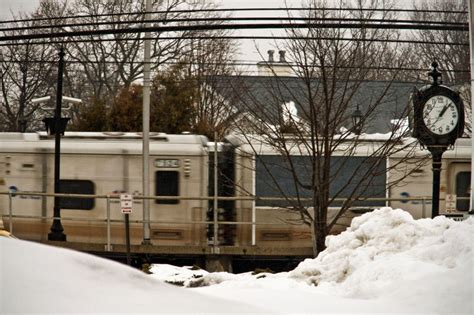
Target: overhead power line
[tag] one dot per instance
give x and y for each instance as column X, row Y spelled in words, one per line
column 234, row 37
column 183, row 28
column 231, row 19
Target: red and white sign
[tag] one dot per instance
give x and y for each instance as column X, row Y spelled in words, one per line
column 126, row 203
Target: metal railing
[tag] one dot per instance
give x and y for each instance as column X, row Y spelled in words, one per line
column 115, row 197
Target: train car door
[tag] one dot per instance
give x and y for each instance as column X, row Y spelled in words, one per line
column 460, row 184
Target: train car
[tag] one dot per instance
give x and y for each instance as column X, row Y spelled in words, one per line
column 105, row 164
column 406, row 183
column 455, row 183
column 262, row 171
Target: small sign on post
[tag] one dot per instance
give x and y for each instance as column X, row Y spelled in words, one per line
column 450, row 203
column 126, row 203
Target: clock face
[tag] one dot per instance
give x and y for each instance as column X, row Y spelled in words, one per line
column 440, row 115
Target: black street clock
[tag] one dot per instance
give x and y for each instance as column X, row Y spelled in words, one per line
column 437, row 120
column 438, row 114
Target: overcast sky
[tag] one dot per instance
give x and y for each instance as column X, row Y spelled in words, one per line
column 8, row 6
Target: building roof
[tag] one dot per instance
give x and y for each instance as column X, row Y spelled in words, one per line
column 267, row 94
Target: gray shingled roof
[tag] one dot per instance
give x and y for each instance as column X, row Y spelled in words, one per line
column 267, row 94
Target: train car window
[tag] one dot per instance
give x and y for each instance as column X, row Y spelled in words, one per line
column 75, row 186
column 167, row 184
column 274, row 179
column 463, row 183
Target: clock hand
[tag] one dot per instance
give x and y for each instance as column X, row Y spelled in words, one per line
column 445, row 108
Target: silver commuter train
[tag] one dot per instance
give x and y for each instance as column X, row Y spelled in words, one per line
column 181, row 166
column 104, row 164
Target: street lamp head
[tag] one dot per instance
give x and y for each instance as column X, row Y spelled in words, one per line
column 356, row 120
column 66, row 99
column 43, row 99
column 72, row 100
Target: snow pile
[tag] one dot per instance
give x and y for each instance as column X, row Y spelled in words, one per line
column 387, row 246
column 37, row 278
column 386, row 262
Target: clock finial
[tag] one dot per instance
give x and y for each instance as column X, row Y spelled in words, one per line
column 435, row 74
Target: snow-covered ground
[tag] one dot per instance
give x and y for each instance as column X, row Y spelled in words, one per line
column 386, row 262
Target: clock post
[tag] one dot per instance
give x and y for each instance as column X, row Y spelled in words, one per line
column 437, row 121
column 436, row 155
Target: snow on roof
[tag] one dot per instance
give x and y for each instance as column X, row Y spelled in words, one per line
column 105, row 143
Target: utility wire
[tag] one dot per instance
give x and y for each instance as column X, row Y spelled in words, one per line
column 232, row 10
column 183, row 28
column 232, row 37
column 232, row 19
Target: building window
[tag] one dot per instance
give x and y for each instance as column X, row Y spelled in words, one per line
column 463, row 184
column 74, row 186
column 167, row 184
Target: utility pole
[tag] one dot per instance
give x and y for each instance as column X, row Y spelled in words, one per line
column 146, row 130
column 471, row 46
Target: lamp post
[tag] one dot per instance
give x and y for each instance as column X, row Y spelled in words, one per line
column 56, row 233
column 356, row 121
column 56, row 126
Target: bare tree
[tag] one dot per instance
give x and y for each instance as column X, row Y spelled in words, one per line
column 210, row 60
column 318, row 157
column 208, row 56
column 98, row 67
column 108, row 63
column 23, row 76
column 453, row 58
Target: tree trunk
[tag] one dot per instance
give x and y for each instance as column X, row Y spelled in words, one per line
column 320, row 232
column 319, row 226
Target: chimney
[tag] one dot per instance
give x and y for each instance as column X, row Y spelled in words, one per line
column 272, row 67
column 270, row 56
column 282, row 55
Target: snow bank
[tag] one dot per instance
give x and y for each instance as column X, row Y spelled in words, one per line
column 42, row 279
column 387, row 252
column 386, row 262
